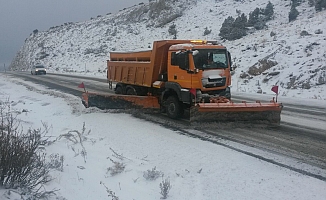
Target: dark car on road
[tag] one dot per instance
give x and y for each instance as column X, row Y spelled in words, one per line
column 38, row 69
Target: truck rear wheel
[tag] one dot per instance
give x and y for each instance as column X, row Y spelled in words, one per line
column 131, row 91
column 173, row 107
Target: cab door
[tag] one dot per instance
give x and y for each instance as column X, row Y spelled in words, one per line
column 179, row 69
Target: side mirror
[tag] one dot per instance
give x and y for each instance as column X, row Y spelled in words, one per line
column 230, row 61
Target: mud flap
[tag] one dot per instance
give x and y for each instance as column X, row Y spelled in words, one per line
column 234, row 112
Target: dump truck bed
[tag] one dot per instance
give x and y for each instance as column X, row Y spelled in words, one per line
column 140, row 68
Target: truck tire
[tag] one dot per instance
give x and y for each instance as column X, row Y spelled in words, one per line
column 131, row 91
column 173, row 107
column 118, row 90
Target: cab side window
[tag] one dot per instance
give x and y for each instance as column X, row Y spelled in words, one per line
column 174, row 59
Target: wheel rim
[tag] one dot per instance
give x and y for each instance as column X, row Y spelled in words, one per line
column 131, row 91
column 171, row 108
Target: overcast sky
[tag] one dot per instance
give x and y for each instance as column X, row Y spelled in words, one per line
column 18, row 18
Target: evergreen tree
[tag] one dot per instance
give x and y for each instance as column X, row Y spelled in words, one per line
column 295, row 3
column 237, row 33
column 311, row 2
column 260, row 24
column 239, row 27
column 269, row 11
column 293, row 14
column 226, row 27
column 323, row 3
column 241, row 21
column 320, row 4
column 253, row 17
column 173, row 31
column 233, row 29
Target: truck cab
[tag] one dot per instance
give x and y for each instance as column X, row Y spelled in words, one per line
column 201, row 66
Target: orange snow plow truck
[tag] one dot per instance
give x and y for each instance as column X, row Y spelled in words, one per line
column 180, row 78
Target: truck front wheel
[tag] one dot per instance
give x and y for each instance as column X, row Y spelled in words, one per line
column 173, row 107
column 118, row 90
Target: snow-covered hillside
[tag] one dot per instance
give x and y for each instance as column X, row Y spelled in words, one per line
column 289, row 54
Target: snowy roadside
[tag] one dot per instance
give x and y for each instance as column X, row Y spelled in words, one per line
column 196, row 169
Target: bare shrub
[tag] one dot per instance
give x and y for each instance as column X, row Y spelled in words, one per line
column 165, row 187
column 117, row 168
column 275, row 73
column 321, row 80
column 207, row 32
column 291, row 84
column 318, row 31
column 77, row 137
column 110, row 192
column 304, row 33
column 56, row 162
column 261, row 66
column 118, row 156
column 265, row 80
column 152, row 174
column 22, row 162
column 272, row 34
column 244, row 75
column 306, row 85
column 173, row 31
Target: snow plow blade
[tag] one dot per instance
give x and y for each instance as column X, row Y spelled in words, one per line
column 219, row 110
column 119, row 101
column 229, row 111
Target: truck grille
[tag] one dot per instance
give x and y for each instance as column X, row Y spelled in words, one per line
column 216, row 82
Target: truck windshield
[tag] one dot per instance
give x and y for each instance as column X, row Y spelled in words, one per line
column 210, row 58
